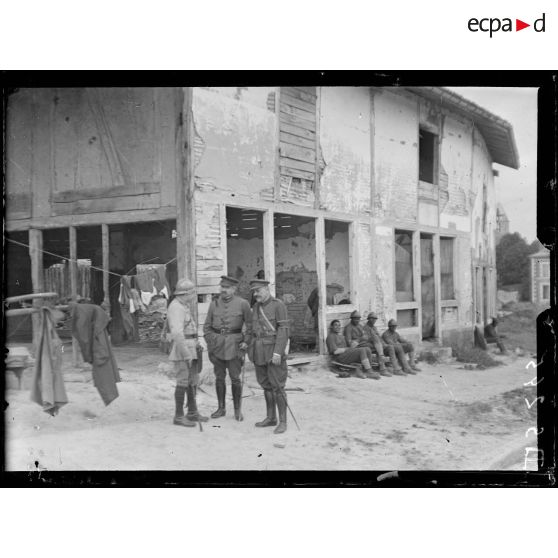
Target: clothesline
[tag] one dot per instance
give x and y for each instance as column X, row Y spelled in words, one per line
column 76, row 261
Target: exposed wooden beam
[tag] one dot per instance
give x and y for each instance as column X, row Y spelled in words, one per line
column 109, row 218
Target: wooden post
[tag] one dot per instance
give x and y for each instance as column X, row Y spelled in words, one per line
column 317, row 190
column 269, row 249
column 321, row 271
column 437, row 288
column 417, row 287
column 277, row 169
column 76, row 353
column 105, row 266
column 37, row 280
column 185, row 188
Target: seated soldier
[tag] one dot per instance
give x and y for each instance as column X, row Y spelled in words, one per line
column 491, row 335
column 374, row 341
column 401, row 346
column 353, row 330
column 337, row 348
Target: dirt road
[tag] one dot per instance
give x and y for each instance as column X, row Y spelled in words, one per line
column 445, row 418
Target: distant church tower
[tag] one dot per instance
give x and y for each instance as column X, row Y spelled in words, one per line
column 502, row 223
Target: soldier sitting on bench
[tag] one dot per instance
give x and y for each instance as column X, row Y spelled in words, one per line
column 342, row 354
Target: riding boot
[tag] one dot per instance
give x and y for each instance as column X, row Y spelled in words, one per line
column 237, row 398
column 179, row 418
column 281, row 400
column 271, row 418
column 221, row 390
column 193, row 407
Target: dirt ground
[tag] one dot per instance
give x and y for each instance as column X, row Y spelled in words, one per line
column 444, row 418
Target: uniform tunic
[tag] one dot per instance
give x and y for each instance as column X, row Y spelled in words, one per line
column 183, row 330
column 336, row 341
column 377, row 344
column 223, row 333
column 393, row 338
column 352, row 333
column 265, row 341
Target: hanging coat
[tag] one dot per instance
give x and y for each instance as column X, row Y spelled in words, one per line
column 48, row 388
column 89, row 327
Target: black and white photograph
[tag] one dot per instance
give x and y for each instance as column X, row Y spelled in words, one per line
column 301, row 277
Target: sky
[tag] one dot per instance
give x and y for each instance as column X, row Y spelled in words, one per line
column 516, row 189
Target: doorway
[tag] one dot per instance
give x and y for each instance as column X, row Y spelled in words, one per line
column 428, row 300
column 245, row 248
column 296, row 276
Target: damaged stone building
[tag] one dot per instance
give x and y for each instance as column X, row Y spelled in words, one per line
column 380, row 198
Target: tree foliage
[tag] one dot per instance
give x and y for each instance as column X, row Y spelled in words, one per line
column 512, row 259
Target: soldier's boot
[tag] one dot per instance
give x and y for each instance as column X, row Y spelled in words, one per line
column 383, row 369
column 271, row 418
column 412, row 363
column 237, row 398
column 179, row 418
column 221, row 390
column 368, row 372
column 193, row 413
column 281, row 400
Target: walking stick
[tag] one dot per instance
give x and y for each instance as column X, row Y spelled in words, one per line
column 281, row 391
column 242, row 371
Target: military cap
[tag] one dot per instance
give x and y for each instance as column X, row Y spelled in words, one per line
column 257, row 283
column 184, row 286
column 355, row 314
column 392, row 322
column 227, row 281
column 372, row 315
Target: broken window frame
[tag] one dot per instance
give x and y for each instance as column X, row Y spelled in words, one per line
column 349, row 288
column 430, row 175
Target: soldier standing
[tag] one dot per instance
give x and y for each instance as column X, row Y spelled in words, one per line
column 226, row 343
column 267, row 349
column 185, row 353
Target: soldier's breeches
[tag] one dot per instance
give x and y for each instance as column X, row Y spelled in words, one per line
column 407, row 347
column 185, row 375
column 272, row 376
column 220, row 367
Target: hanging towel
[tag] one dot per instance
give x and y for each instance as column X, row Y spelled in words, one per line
column 48, row 388
column 125, row 307
column 89, row 327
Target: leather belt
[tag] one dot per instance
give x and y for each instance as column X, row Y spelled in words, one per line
column 191, row 336
column 225, row 331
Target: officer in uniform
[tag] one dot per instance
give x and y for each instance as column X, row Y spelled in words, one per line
column 226, row 343
column 270, row 335
column 185, row 352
